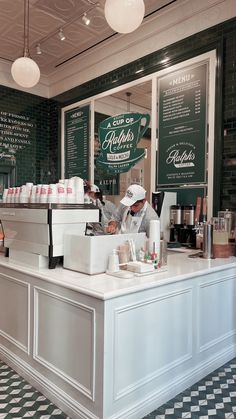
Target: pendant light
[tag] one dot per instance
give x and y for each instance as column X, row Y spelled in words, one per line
column 124, row 16
column 24, row 70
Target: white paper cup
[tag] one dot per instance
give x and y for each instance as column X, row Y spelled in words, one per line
column 43, row 194
column 61, row 192
column 13, row 195
column 29, row 186
column 33, row 194
column 70, row 192
column 113, row 263
column 52, row 193
column 4, row 196
column 38, row 189
column 17, row 195
column 8, row 196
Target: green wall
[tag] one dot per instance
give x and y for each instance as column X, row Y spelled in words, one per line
column 28, row 137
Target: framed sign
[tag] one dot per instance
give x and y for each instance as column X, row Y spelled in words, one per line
column 76, row 140
column 119, row 137
column 183, row 126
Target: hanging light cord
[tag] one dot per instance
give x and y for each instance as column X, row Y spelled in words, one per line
column 26, row 29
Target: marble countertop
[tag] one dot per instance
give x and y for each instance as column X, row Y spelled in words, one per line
column 103, row 286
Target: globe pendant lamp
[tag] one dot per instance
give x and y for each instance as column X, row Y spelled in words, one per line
column 124, row 16
column 24, row 70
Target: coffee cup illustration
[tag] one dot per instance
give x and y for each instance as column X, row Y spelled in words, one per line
column 119, row 137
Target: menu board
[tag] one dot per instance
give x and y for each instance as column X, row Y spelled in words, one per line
column 77, row 122
column 183, row 127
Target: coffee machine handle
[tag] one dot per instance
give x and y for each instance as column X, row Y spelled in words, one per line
column 197, row 210
column 204, row 209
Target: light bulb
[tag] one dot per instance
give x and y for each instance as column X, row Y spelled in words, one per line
column 85, row 19
column 124, row 16
column 25, row 72
column 38, row 49
column 61, row 35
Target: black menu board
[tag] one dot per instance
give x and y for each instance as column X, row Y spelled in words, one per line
column 77, row 122
column 183, row 126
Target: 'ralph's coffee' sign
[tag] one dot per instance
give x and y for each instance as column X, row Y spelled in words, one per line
column 119, row 137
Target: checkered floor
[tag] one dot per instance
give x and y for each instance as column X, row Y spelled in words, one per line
column 18, row 399
column 212, row 397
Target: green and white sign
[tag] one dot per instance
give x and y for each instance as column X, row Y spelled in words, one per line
column 119, row 137
column 183, row 127
column 77, row 123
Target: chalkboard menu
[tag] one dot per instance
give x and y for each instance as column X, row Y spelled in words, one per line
column 182, row 127
column 77, row 122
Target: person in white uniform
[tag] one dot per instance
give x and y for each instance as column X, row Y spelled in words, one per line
column 133, row 214
column 106, row 207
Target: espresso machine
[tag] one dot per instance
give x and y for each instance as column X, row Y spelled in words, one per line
column 182, row 225
column 34, row 233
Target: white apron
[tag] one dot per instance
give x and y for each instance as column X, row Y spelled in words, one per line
column 131, row 224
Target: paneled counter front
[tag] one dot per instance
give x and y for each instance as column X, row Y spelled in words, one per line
column 105, row 347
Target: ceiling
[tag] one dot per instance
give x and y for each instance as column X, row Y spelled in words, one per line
column 46, row 17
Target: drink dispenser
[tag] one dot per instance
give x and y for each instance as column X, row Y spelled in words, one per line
column 175, row 222
column 182, row 225
column 188, row 215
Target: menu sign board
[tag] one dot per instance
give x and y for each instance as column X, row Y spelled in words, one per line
column 182, row 127
column 77, row 142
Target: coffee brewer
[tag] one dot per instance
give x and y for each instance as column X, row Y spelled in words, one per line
column 182, row 225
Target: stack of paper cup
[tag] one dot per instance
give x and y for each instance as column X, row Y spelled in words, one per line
column 38, row 189
column 24, row 195
column 79, row 189
column 33, row 194
column 29, row 186
column 70, row 191
column 4, row 197
column 43, row 194
column 61, row 193
column 154, row 237
column 12, row 197
column 9, row 195
column 17, row 195
column 52, row 193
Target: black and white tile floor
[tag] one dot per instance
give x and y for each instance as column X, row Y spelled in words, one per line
column 18, row 399
column 212, row 397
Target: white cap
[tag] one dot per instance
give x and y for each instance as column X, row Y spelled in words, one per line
column 133, row 194
column 94, row 188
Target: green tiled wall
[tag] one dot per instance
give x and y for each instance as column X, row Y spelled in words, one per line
column 37, row 163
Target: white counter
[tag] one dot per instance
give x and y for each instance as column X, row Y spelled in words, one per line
column 180, row 267
column 102, row 347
